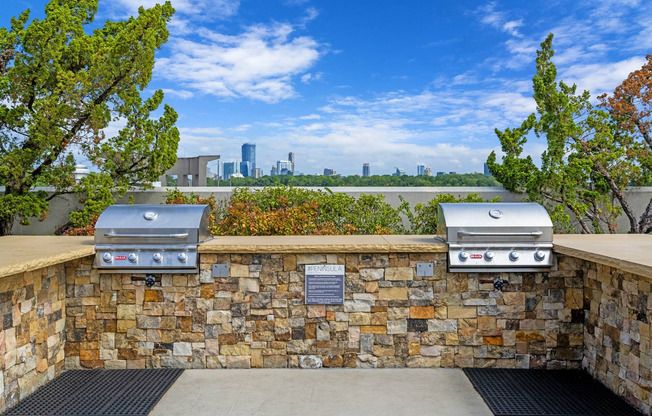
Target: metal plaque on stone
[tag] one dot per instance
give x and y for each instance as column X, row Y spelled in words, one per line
column 325, row 284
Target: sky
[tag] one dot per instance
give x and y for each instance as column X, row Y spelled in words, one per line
column 392, row 83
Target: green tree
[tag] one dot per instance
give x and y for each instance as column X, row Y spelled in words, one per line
column 60, row 87
column 588, row 161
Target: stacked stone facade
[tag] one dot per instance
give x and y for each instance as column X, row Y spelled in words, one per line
column 618, row 308
column 32, row 321
column 257, row 317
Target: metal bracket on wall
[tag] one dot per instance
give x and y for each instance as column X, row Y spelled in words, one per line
column 220, row 270
column 425, row 269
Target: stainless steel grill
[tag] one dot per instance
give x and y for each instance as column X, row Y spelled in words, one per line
column 492, row 237
column 150, row 238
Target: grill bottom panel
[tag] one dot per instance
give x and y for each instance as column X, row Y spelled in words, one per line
column 99, row 393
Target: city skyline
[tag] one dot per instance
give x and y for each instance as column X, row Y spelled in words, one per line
column 399, row 84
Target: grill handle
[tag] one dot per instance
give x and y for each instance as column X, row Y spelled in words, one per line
column 500, row 234
column 114, row 235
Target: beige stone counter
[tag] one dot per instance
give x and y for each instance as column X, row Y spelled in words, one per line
column 629, row 252
column 23, row 253
column 325, row 244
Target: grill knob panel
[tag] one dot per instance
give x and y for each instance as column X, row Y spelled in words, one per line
column 488, row 256
column 539, row 256
column 107, row 257
column 132, row 257
column 182, row 257
column 514, row 255
column 464, row 256
column 157, row 257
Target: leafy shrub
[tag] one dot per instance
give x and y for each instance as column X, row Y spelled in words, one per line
column 295, row 211
column 216, row 209
column 424, row 218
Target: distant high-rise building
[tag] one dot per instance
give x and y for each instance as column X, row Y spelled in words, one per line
column 329, row 172
column 427, row 172
column 291, row 159
column 486, row 170
column 399, row 172
column 452, row 173
column 273, row 171
column 283, row 167
column 441, row 173
column 229, row 168
column 421, row 170
column 245, row 169
column 257, row 173
column 365, row 170
column 249, row 155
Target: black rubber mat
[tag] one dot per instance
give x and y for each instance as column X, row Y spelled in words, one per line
column 545, row 392
column 98, row 393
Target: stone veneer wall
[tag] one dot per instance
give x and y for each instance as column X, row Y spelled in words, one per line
column 618, row 307
column 32, row 336
column 391, row 318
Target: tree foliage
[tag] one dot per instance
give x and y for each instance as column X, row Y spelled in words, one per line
column 590, row 157
column 60, row 87
column 466, row 179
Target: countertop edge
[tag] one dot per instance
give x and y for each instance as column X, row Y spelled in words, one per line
column 41, row 263
column 627, row 266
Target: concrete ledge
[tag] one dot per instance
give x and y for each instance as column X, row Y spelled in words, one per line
column 19, row 254
column 628, row 252
column 325, row 244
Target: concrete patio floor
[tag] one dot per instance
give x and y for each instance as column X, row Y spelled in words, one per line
column 273, row 392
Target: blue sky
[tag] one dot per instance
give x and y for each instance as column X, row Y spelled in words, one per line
column 391, row 83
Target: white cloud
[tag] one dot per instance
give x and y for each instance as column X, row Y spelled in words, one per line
column 259, row 63
column 183, row 94
column 601, row 77
column 308, row 78
column 198, row 9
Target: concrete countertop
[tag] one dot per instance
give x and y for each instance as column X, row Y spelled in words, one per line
column 629, row 252
column 19, row 254
column 325, row 244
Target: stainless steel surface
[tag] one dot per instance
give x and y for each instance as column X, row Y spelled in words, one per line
column 150, row 238
column 492, row 237
column 499, row 234
column 115, row 235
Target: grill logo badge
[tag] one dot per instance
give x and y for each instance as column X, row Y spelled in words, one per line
column 473, row 256
column 120, row 257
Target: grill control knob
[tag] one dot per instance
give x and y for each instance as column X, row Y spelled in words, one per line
column 107, row 257
column 182, row 257
column 539, row 256
column 488, row 256
column 132, row 257
column 513, row 256
column 464, row 256
column 157, row 257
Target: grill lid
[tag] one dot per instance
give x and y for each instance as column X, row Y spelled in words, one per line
column 494, row 222
column 155, row 224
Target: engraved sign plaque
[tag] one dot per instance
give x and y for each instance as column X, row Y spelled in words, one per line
column 325, row 284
